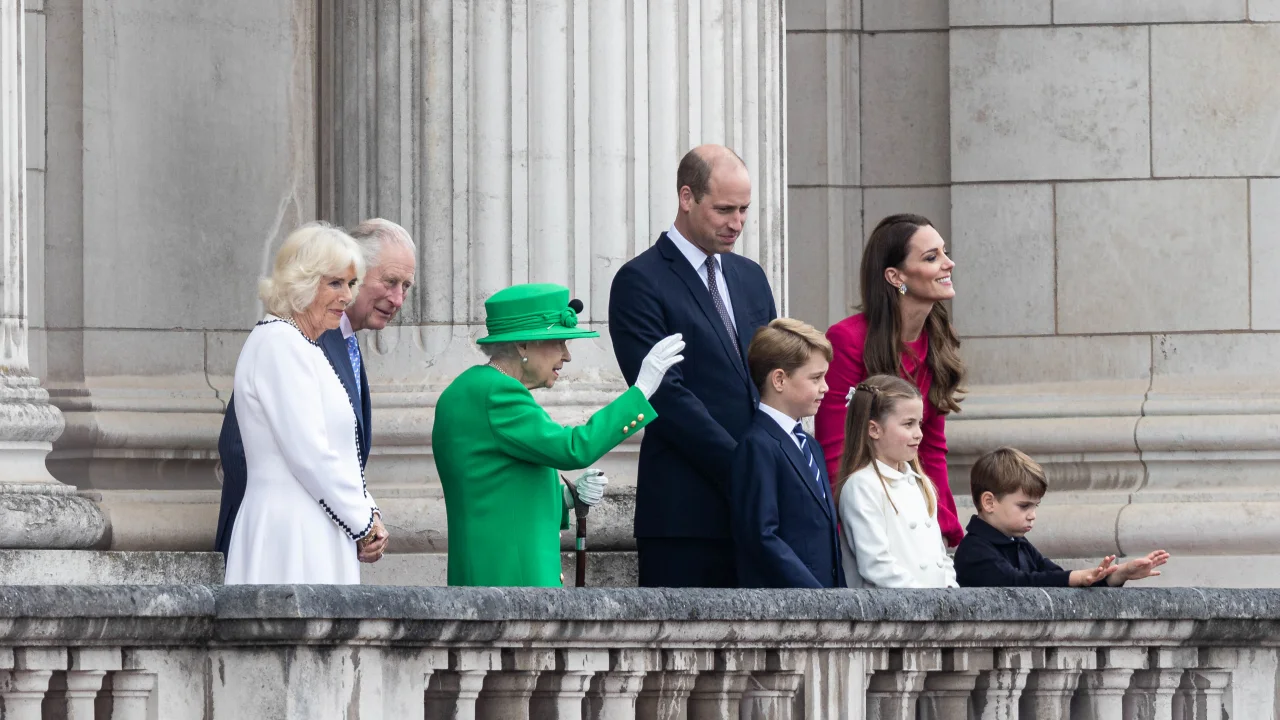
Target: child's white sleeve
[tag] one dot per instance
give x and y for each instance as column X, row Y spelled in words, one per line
column 862, row 512
column 949, row 568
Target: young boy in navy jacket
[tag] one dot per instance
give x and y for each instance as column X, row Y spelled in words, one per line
column 784, row 521
column 1007, row 486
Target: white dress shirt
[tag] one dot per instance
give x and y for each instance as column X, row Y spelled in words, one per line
column 887, row 548
column 785, row 421
column 698, row 260
column 345, row 326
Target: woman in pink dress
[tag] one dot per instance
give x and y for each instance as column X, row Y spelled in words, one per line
column 903, row 330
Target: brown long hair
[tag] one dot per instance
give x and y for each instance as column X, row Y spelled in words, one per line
column 882, row 353
column 873, row 399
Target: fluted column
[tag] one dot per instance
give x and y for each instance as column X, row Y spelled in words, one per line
column 36, row 511
column 532, row 141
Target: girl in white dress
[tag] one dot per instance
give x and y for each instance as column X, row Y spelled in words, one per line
column 888, row 509
column 305, row 505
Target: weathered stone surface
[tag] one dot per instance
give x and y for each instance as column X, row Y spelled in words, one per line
column 904, row 15
column 91, row 567
column 1058, row 360
column 1132, row 256
column 1004, row 242
column 48, row 516
column 1264, row 253
column 1049, row 103
column 825, row 246
column 1264, row 10
column 1089, row 12
column 1215, row 112
column 824, row 15
column 905, row 85
column 822, row 102
column 1000, row 12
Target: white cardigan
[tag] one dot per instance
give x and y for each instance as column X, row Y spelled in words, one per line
column 883, row 548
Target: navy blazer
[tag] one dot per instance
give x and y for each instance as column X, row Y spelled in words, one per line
column 231, row 448
column 784, row 525
column 989, row 558
column 705, row 403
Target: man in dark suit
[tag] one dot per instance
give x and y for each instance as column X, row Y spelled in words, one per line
column 784, row 520
column 690, row 282
column 389, row 273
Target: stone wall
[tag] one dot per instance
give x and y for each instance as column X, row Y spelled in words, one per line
column 1105, row 173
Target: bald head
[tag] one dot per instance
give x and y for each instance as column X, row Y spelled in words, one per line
column 699, row 164
column 715, row 191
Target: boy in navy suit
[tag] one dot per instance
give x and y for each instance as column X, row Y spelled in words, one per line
column 784, row 521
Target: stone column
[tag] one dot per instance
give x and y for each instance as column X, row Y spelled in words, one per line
column 560, row 694
column 453, row 694
column 666, row 691
column 131, row 694
column 999, row 690
column 613, row 692
column 717, row 692
column 1151, row 695
column 1049, row 689
column 506, row 692
column 1101, row 692
column 89, row 668
column 949, row 693
column 894, row 693
column 531, row 141
column 36, row 511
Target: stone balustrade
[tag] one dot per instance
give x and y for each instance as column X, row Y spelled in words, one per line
column 213, row 653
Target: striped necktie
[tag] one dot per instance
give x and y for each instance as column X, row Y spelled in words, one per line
column 808, row 455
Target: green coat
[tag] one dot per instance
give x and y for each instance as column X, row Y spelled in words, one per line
column 498, row 452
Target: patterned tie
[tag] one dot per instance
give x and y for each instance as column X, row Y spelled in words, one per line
column 718, row 301
column 808, row 455
column 353, row 352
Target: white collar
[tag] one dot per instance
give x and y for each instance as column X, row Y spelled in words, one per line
column 785, row 421
column 893, row 475
column 691, row 252
column 345, row 326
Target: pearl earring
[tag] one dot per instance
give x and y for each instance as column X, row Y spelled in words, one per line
column 902, row 289
column 524, row 359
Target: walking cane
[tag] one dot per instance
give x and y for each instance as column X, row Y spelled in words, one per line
column 580, row 509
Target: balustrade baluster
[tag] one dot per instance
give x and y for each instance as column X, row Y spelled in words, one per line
column 717, row 693
column 506, row 691
column 948, row 695
column 559, row 695
column 613, row 692
column 894, row 693
column 771, row 693
column 452, row 694
column 1199, row 697
column 999, row 690
column 26, row 680
column 665, row 694
column 1101, row 692
column 89, row 667
column 1150, row 695
column 1048, row 692
column 131, row 694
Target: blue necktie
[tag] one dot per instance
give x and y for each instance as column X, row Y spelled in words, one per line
column 353, row 352
column 808, row 455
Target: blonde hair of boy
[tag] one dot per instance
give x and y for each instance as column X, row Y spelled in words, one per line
column 873, row 399
column 1005, row 471
column 785, row 344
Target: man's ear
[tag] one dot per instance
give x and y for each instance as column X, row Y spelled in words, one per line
column 686, row 199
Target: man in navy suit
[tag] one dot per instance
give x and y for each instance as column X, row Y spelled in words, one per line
column 690, row 282
column 784, row 520
column 389, row 273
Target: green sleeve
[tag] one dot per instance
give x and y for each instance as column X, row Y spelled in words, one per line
column 527, row 432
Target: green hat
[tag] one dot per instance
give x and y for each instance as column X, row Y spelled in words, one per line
column 534, row 311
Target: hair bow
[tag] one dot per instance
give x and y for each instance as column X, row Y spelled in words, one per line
column 848, row 399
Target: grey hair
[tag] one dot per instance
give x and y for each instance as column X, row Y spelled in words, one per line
column 501, row 351
column 375, row 234
column 310, row 253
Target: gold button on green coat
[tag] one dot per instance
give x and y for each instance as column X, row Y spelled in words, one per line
column 498, row 452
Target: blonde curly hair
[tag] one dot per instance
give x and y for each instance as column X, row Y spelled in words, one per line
column 310, row 253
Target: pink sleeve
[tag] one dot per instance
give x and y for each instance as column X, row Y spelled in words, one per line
column 933, row 459
column 846, row 371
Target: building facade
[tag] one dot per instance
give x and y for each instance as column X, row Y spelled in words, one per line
column 1107, row 172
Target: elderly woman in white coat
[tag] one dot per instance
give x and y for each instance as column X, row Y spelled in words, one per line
column 305, row 505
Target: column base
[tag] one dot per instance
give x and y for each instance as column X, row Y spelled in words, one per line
column 48, row 516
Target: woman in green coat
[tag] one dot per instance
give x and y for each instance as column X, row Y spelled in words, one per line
column 497, row 451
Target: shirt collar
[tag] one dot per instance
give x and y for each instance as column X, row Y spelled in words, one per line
column 893, row 475
column 785, row 421
column 691, row 252
column 982, row 529
column 345, row 326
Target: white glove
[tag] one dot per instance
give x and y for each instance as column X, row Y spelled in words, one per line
column 656, row 364
column 590, row 487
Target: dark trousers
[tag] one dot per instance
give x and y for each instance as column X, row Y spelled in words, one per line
column 686, row 562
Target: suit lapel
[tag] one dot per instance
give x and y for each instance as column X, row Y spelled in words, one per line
column 681, row 267
column 796, row 457
column 336, row 348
